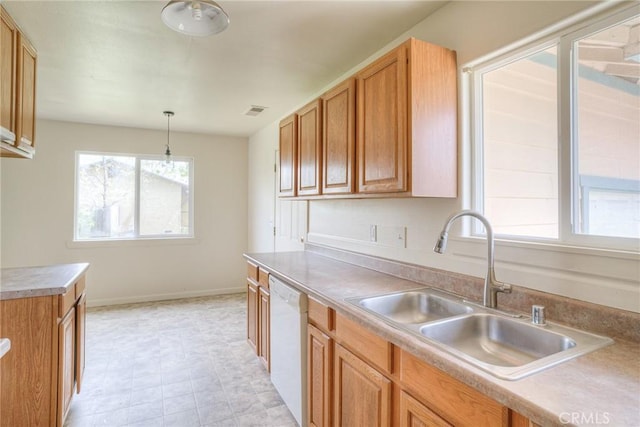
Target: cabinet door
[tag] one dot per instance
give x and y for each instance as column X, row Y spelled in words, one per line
column 81, row 321
column 26, row 102
column 319, row 377
column 252, row 315
column 309, row 149
column 288, row 155
column 362, row 394
column 8, row 57
column 338, row 138
column 415, row 414
column 382, row 124
column 66, row 363
column 264, row 347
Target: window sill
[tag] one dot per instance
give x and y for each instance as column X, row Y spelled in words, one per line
column 142, row 242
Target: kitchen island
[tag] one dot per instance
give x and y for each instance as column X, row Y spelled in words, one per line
column 43, row 314
column 602, row 387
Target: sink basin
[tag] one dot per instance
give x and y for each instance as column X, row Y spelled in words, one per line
column 510, row 348
column 496, row 340
column 413, row 307
column 507, row 347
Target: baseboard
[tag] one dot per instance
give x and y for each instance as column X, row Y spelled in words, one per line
column 162, row 297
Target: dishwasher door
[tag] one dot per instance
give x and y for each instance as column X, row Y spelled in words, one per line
column 289, row 346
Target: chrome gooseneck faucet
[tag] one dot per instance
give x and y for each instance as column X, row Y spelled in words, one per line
column 491, row 285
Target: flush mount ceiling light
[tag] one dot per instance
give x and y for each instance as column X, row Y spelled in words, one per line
column 195, row 17
column 167, row 151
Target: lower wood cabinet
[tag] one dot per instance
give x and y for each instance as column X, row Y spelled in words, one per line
column 66, row 362
column 264, row 347
column 44, row 368
column 258, row 313
column 252, row 315
column 362, row 394
column 356, row 378
column 415, row 414
column 319, row 377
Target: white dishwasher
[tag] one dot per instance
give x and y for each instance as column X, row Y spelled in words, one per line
column 289, row 346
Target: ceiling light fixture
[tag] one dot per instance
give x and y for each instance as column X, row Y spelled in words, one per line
column 195, row 17
column 167, row 152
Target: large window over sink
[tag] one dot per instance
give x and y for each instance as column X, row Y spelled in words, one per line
column 132, row 196
column 556, row 136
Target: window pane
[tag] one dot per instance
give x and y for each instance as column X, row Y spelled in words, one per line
column 106, row 196
column 607, row 135
column 519, row 134
column 164, row 197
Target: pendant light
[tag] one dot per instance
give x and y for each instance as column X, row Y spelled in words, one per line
column 167, row 152
column 195, row 17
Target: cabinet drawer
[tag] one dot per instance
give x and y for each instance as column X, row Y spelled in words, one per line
column 66, row 301
column 80, row 287
column 365, row 343
column 458, row 403
column 252, row 272
column 263, row 278
column 320, row 315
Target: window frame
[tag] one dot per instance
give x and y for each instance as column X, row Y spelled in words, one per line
column 137, row 236
column 564, row 35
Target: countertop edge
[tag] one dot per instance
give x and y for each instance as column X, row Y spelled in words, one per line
column 67, row 275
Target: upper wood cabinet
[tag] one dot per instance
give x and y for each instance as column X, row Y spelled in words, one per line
column 288, row 151
column 26, row 95
column 8, row 57
column 406, row 122
column 17, row 90
column 338, row 138
column 391, row 130
column 310, row 148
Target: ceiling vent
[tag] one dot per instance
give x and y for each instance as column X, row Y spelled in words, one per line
column 254, row 110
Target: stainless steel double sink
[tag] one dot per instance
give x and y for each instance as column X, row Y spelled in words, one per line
column 507, row 347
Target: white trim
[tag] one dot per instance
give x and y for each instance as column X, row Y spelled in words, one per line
column 602, row 276
column 100, row 302
column 563, row 35
column 140, row 242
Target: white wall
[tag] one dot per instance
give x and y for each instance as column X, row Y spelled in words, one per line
column 38, row 202
column 473, row 29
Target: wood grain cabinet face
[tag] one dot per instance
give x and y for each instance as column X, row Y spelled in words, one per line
column 17, row 90
column 338, row 138
column 382, row 123
column 252, row 315
column 415, row 414
column 81, row 321
column 288, row 153
column 8, row 57
column 319, row 377
column 44, row 368
column 310, row 149
column 26, row 102
column 407, row 122
column 66, row 363
column 362, row 394
column 264, row 347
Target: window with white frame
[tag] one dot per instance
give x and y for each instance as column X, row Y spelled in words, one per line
column 121, row 196
column 556, row 136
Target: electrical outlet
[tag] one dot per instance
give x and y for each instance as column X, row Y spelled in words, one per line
column 373, row 233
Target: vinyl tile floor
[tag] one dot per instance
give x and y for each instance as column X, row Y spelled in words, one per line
column 175, row 363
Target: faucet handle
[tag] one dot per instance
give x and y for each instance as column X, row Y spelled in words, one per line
column 537, row 315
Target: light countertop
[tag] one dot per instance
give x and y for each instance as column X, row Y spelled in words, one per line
column 25, row 282
column 604, row 384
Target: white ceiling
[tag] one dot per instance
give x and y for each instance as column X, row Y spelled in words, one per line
column 115, row 63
